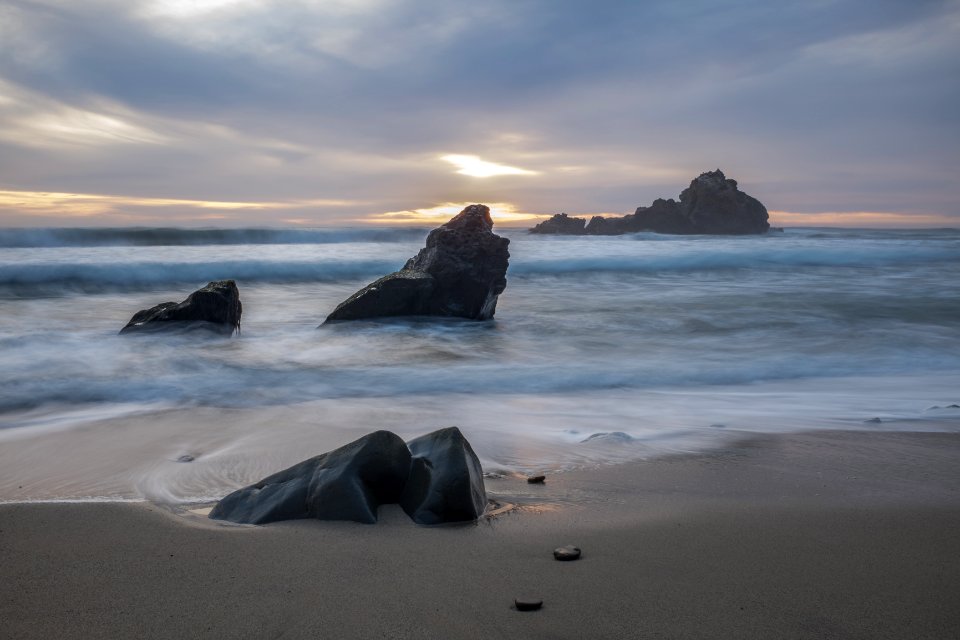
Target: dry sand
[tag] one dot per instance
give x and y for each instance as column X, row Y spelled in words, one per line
column 822, row 535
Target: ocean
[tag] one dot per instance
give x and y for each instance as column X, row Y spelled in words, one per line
column 603, row 350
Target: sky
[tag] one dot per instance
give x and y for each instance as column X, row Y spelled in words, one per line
column 319, row 112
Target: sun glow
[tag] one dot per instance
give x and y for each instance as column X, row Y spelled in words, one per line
column 501, row 212
column 860, row 219
column 479, row 168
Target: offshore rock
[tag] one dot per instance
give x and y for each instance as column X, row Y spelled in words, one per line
column 349, row 483
column 446, row 480
column 561, row 224
column 459, row 273
column 712, row 204
column 216, row 307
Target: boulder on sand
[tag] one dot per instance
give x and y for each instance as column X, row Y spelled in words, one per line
column 349, row 483
column 441, row 482
column 446, row 480
column 215, row 307
column 459, row 273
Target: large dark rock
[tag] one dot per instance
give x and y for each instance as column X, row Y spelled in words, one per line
column 216, row 307
column 460, row 273
column 561, row 224
column 712, row 204
column 349, row 483
column 446, row 480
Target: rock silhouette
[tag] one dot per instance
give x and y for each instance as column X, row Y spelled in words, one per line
column 712, row 204
column 459, row 273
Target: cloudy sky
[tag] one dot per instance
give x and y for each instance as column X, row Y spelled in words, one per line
column 306, row 112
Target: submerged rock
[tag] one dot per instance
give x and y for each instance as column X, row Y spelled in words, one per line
column 446, row 480
column 215, row 307
column 618, row 437
column 459, row 273
column 712, row 204
column 440, row 482
column 349, row 483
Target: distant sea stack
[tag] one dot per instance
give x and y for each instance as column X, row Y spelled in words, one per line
column 460, row 272
column 712, row 204
column 215, row 307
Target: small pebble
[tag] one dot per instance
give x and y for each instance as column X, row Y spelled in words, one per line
column 536, row 479
column 569, row 552
column 185, row 458
column 527, row 604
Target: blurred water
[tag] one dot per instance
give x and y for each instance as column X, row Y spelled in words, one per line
column 675, row 341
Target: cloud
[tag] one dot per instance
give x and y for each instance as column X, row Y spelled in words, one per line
column 831, row 105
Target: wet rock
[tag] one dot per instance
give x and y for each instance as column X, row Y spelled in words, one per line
column 349, row 483
column 561, row 224
column 446, row 480
column 460, row 272
column 873, row 421
column 613, row 436
column 527, row 604
column 711, row 204
column 185, row 458
column 536, row 479
column 215, row 307
column 567, row 553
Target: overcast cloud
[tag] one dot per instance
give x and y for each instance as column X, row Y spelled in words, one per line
column 312, row 112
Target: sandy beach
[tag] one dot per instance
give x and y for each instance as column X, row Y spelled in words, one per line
column 817, row 535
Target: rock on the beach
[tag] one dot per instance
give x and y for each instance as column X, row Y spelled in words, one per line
column 349, row 483
column 459, row 273
column 527, row 604
column 712, row 204
column 536, row 479
column 446, row 480
column 215, row 307
column 566, row 554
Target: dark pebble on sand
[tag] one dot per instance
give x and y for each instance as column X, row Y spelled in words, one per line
column 528, row 604
column 567, row 553
column 536, row 479
column 185, row 458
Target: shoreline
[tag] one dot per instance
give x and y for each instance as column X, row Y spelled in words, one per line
column 812, row 535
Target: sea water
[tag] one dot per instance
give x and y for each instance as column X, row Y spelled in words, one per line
column 670, row 343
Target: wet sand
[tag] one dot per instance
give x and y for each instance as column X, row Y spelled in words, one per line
column 819, row 535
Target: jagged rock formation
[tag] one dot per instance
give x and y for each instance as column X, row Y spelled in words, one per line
column 446, row 480
column 712, row 204
column 440, row 482
column 460, row 272
column 215, row 307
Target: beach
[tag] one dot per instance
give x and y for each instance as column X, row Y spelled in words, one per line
column 817, row 535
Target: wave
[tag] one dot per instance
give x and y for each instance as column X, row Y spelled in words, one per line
column 33, row 279
column 168, row 236
column 28, row 279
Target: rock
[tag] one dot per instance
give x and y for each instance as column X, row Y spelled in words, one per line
column 349, row 483
column 459, row 273
column 185, row 458
column 536, row 479
column 446, row 480
column 561, row 224
column 612, row 436
column 712, row 204
column 873, row 421
column 527, row 604
column 567, row 553
column 216, row 307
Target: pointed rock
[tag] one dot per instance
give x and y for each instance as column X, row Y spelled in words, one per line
column 459, row 273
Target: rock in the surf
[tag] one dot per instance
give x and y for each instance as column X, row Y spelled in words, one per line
column 567, row 553
column 459, row 273
column 215, row 307
column 446, row 480
column 349, row 483
column 712, row 204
